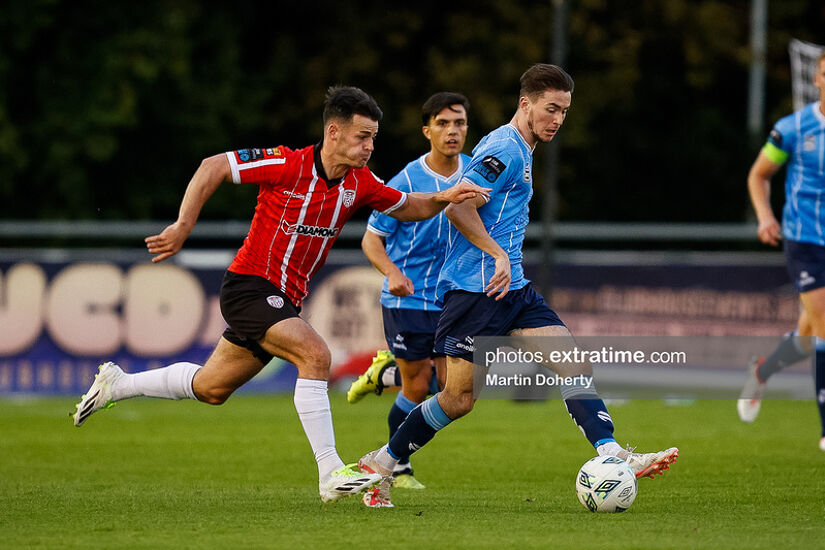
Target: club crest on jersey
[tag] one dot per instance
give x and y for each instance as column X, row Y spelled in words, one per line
column 349, row 197
column 275, row 301
column 809, row 143
column 308, row 230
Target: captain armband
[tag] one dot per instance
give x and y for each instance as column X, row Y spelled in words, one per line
column 774, row 153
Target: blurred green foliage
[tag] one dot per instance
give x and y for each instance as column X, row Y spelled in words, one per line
column 106, row 108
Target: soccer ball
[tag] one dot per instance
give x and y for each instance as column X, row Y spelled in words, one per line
column 606, row 484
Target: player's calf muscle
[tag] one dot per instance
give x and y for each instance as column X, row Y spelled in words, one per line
column 214, row 391
column 212, row 396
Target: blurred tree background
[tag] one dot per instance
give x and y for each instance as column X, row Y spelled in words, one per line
column 106, row 108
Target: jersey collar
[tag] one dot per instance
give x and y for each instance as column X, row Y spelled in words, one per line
column 521, row 138
column 319, row 167
column 818, row 113
column 454, row 176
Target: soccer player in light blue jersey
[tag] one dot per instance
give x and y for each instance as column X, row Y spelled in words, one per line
column 410, row 256
column 799, row 141
column 484, row 291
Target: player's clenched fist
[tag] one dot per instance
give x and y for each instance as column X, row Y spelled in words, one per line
column 770, row 232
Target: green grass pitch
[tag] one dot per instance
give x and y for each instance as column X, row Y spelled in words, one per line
column 161, row 474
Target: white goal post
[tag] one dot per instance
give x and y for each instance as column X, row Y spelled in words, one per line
column 803, row 57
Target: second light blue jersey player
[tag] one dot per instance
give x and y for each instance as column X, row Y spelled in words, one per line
column 427, row 238
column 410, row 256
column 799, row 140
column 502, row 161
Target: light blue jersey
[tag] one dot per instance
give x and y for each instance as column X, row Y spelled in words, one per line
column 417, row 248
column 502, row 160
column 799, row 139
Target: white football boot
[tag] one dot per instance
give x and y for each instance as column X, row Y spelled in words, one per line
column 344, row 482
column 377, row 497
column 99, row 395
column 649, row 464
column 750, row 400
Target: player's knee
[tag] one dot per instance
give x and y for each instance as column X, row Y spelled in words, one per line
column 315, row 362
column 321, row 357
column 417, row 389
column 415, row 394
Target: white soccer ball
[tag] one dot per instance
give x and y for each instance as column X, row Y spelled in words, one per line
column 606, row 484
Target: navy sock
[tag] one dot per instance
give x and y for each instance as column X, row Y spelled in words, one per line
column 788, row 352
column 592, row 418
column 418, row 429
column 398, row 413
column 587, row 410
column 819, row 381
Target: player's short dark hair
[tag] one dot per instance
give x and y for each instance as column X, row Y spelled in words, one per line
column 343, row 102
column 542, row 77
column 440, row 101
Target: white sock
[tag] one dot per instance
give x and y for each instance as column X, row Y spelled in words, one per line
column 312, row 404
column 610, row 448
column 385, row 459
column 388, row 377
column 171, row 382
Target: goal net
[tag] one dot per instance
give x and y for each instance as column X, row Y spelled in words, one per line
column 803, row 66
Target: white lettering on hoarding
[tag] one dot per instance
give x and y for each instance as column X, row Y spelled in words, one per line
column 163, row 309
column 94, row 309
column 21, row 307
column 81, row 307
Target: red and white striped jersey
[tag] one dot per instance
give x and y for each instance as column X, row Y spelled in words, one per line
column 299, row 215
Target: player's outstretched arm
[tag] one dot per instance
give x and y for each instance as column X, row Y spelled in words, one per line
column 465, row 218
column 398, row 284
column 421, row 206
column 759, row 188
column 210, row 174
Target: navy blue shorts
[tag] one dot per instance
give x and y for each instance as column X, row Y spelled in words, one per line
column 410, row 332
column 465, row 315
column 806, row 265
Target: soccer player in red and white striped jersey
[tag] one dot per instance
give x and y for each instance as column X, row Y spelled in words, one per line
column 305, row 196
